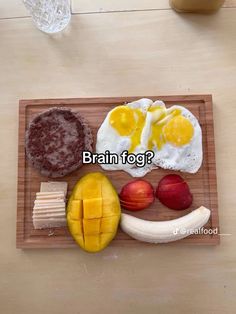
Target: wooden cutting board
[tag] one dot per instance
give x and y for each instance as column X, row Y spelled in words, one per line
column 202, row 184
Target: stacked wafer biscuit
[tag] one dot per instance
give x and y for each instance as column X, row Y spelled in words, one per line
column 49, row 206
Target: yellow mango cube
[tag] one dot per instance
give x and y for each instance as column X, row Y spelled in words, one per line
column 76, row 227
column 92, row 243
column 91, row 189
column 79, row 239
column 105, row 239
column 109, row 224
column 92, row 208
column 110, row 207
column 75, row 209
column 91, row 226
column 77, row 192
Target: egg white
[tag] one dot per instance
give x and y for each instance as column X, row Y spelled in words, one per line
column 186, row 158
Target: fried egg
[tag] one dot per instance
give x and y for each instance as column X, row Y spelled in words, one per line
column 173, row 134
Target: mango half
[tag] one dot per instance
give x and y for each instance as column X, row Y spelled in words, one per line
column 93, row 212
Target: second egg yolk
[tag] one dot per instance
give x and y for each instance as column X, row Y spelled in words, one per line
column 178, row 131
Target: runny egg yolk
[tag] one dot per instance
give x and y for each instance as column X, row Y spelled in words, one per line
column 156, row 138
column 136, row 136
column 173, row 128
column 178, row 131
column 128, row 122
column 122, row 119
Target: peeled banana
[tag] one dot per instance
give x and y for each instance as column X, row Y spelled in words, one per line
column 165, row 231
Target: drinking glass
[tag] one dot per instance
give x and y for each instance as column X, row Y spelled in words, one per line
column 50, row 16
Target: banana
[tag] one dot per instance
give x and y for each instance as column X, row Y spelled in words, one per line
column 165, row 231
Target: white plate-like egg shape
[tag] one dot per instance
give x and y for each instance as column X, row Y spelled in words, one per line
column 173, row 134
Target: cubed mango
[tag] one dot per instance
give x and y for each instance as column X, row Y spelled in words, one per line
column 108, row 224
column 92, row 208
column 93, row 212
column 110, row 207
column 76, row 227
column 91, row 226
column 92, row 243
column 76, row 210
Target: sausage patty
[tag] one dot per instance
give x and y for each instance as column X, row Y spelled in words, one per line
column 55, row 141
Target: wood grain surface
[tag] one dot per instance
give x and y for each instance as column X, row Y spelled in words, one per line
column 202, row 184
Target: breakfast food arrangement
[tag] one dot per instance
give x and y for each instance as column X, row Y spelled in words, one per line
column 137, row 170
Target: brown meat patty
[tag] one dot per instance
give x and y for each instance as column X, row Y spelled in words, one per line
column 55, row 141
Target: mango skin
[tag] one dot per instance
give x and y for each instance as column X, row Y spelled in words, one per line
column 93, row 212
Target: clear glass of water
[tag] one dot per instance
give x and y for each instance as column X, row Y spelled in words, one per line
column 50, row 16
